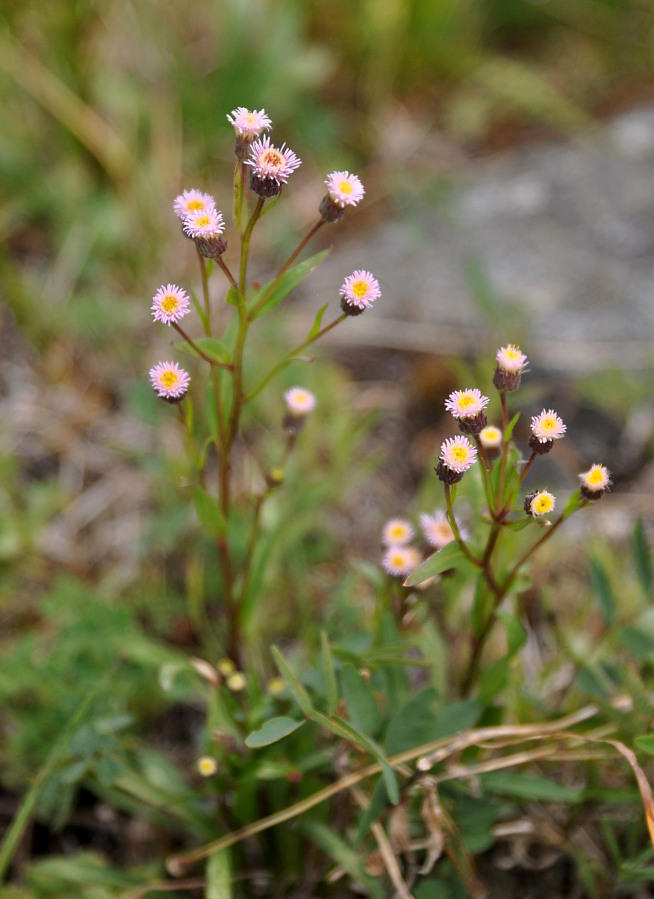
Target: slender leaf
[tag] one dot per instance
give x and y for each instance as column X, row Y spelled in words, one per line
column 329, row 674
column 643, row 559
column 273, row 730
column 209, row 513
column 603, row 590
column 292, row 682
column 344, row 855
column 315, row 327
column 451, row 556
column 511, row 426
column 526, row 786
column 285, row 285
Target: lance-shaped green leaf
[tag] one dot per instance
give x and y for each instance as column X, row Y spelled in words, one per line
column 281, row 289
column 292, row 682
column 273, row 730
column 451, row 556
column 209, row 513
column 315, row 327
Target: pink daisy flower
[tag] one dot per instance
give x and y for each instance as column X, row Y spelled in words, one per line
column 466, row 403
column 170, row 381
column 511, row 362
column 169, row 304
column 344, row 189
column 192, row 202
column 458, row 454
column 510, row 359
column 397, row 532
column 249, row 123
column 299, row 401
column 547, row 426
column 437, row 530
column 270, row 163
column 207, row 224
column 400, row 561
column 358, row 292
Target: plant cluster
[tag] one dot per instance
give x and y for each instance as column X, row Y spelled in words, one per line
column 393, row 735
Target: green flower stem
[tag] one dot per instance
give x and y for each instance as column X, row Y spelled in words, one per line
column 264, row 383
column 239, row 191
column 205, row 294
column 197, row 464
column 289, row 262
column 197, row 349
column 499, row 500
column 485, row 476
column 245, row 247
column 525, row 557
column 455, row 528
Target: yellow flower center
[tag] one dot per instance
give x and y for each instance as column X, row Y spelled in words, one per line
column 596, row 476
column 398, row 532
column 195, row 205
column 202, row 220
column 272, row 158
column 466, row 401
column 542, row 504
column 169, row 303
column 549, row 424
column 360, row 287
column 169, row 378
column 345, row 187
column 459, row 453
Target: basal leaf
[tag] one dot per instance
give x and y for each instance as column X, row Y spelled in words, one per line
column 451, row 556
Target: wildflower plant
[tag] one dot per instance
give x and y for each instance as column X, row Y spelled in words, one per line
column 263, row 169
column 354, row 724
column 502, row 471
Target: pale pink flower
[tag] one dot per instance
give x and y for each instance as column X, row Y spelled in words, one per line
column 458, row 454
column 169, row 380
column 359, row 290
column 437, row 529
column 400, row 561
column 249, row 123
column 299, row 401
column 206, row 224
column 192, row 202
column 344, row 189
column 547, row 426
column 466, row 403
column 270, row 163
column 510, row 359
column 397, row 532
column 169, row 304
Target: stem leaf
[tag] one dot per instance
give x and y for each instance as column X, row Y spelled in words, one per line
column 277, row 290
column 643, row 559
column 209, row 513
column 451, row 556
column 219, row 876
column 315, row 327
column 292, row 682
